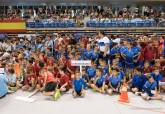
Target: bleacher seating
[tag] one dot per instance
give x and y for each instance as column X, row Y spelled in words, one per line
column 53, row 24
column 122, row 23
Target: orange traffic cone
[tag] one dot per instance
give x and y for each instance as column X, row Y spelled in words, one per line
column 124, row 94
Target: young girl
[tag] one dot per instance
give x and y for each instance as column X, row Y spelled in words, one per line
column 50, row 83
column 150, row 90
column 99, row 82
column 114, row 82
column 78, row 85
column 12, row 81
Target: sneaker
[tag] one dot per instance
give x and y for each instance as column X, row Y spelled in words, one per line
column 137, row 93
column 57, row 95
column 31, row 89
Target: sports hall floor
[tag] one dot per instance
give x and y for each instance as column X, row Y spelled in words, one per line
column 93, row 103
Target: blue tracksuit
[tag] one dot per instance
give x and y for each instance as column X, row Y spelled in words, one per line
column 100, row 81
column 115, row 80
column 148, row 86
column 91, row 72
column 138, row 81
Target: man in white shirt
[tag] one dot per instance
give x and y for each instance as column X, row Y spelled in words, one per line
column 103, row 43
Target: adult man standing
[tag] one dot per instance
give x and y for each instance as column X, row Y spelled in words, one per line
column 103, row 43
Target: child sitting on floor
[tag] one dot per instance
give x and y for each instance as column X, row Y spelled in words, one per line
column 137, row 81
column 150, row 90
column 78, row 85
column 99, row 82
column 114, row 82
column 50, row 83
column 12, row 81
column 30, row 77
column 64, row 82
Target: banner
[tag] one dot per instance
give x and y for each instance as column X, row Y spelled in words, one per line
column 80, row 62
column 12, row 26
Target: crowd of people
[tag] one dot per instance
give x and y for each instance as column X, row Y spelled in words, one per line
column 43, row 62
column 51, row 13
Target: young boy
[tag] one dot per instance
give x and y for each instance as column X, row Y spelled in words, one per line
column 137, row 81
column 99, row 82
column 150, row 90
column 147, row 68
column 78, row 86
column 114, row 82
column 157, row 77
column 91, row 71
column 40, row 78
column 64, row 83
column 85, row 78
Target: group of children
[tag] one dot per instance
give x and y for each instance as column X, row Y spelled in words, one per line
column 47, row 67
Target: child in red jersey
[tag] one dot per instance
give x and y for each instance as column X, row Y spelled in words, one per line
column 40, row 78
column 50, row 82
column 64, row 82
column 30, row 77
column 71, row 69
column 147, row 68
column 62, row 60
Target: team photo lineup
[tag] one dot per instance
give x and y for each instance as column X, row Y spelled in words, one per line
column 43, row 62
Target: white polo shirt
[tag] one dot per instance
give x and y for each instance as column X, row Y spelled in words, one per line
column 102, row 43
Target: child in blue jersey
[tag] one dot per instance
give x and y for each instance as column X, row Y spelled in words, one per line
column 78, row 85
column 150, row 90
column 105, row 69
column 137, row 82
column 91, row 72
column 85, row 78
column 114, row 82
column 127, row 54
column 95, row 54
column 99, row 82
column 157, row 76
column 88, row 52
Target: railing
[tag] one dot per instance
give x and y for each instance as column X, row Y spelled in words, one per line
column 93, row 23
column 52, row 24
column 122, row 23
